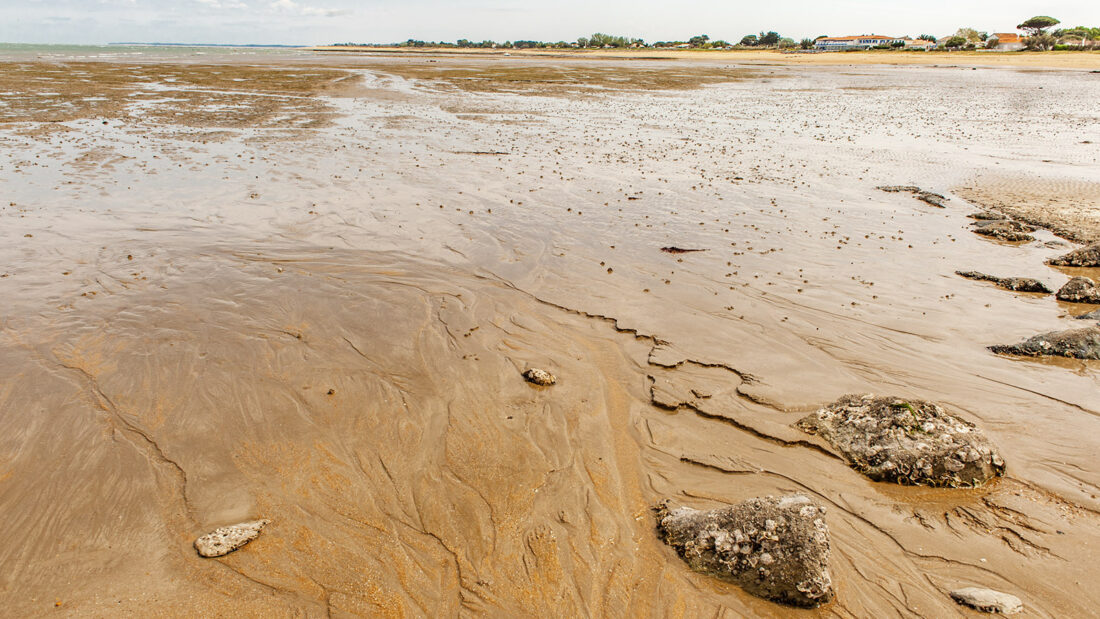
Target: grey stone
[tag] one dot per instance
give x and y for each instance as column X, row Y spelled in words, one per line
column 1084, row 257
column 1080, row 290
column 909, row 442
column 1074, row 343
column 1005, row 230
column 1018, row 284
column 776, row 548
column 988, row 600
column 539, row 377
column 225, row 540
column 1093, row 315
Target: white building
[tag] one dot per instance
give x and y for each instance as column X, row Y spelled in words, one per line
column 863, row 41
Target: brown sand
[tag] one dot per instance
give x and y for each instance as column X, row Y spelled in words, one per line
column 318, row 313
column 1066, row 206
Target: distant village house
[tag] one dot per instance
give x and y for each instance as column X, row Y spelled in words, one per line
column 1008, row 41
column 863, row 41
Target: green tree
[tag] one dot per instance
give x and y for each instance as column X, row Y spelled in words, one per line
column 749, row 40
column 698, row 40
column 1038, row 25
column 806, row 43
column 970, row 34
column 768, row 39
column 955, row 42
column 927, row 37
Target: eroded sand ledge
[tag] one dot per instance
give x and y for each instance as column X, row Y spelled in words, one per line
column 318, row 310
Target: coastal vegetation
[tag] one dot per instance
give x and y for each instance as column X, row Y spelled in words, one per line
column 1038, row 36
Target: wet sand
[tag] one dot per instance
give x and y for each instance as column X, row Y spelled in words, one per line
column 231, row 295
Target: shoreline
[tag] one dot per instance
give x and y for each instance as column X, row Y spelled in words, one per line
column 1051, row 60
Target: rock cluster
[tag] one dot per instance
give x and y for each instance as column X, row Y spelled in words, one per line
column 1080, row 290
column 1019, row 284
column 1084, row 257
column 1074, row 343
column 986, row 216
column 988, row 600
column 909, row 442
column 1005, row 230
column 225, row 540
column 539, row 377
column 934, row 199
column 773, row 547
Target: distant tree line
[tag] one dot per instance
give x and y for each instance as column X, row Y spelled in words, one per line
column 1039, row 36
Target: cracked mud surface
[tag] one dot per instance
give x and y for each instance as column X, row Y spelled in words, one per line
column 318, row 313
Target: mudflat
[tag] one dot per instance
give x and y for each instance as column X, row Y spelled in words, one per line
column 305, row 288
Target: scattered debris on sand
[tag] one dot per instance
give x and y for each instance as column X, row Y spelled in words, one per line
column 1005, row 230
column 1018, row 284
column 1074, row 343
column 539, row 377
column 773, row 547
column 1080, row 290
column 1083, row 257
column 988, row 600
column 225, row 540
column 909, row 442
column 679, row 250
column 929, row 197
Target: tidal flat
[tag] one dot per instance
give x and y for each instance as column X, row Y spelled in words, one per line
column 305, row 288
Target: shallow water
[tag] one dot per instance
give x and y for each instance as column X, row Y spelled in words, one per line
column 317, row 311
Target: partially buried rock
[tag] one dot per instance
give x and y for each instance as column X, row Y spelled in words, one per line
column 1084, row 257
column 988, row 600
column 225, row 540
column 1018, row 284
column 1080, row 290
column 539, row 377
column 1005, row 230
column 1074, row 343
column 986, row 216
column 773, row 547
column 934, row 199
column 1093, row 315
column 909, row 442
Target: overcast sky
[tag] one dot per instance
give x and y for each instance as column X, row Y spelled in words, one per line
column 326, row 21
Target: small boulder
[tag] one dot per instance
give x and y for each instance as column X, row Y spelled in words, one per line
column 776, row 548
column 1074, row 343
column 1084, row 257
column 1018, row 284
column 909, row 442
column 1093, row 315
column 1080, row 290
column 225, row 540
column 988, row 600
column 539, row 377
column 1005, row 230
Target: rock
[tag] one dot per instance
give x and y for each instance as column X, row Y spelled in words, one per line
column 1019, row 284
column 909, row 442
column 1084, row 257
column 773, row 547
column 1005, row 230
column 225, row 540
column 1080, row 290
column 1093, row 315
column 934, row 199
column 1074, row 343
column 539, row 377
column 986, row 216
column 988, row 600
